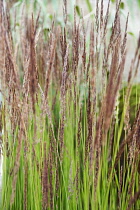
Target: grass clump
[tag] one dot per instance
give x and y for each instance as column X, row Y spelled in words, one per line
column 64, row 129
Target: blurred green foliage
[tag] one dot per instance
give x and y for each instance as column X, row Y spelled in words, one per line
column 130, row 2
column 133, row 101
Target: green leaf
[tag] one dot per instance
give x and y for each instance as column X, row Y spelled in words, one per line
column 78, row 10
column 130, row 33
column 122, row 5
column 17, row 24
column 89, row 5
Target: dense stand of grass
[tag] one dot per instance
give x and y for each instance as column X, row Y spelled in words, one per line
column 69, row 139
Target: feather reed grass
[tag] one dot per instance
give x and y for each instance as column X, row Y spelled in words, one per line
column 66, row 123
